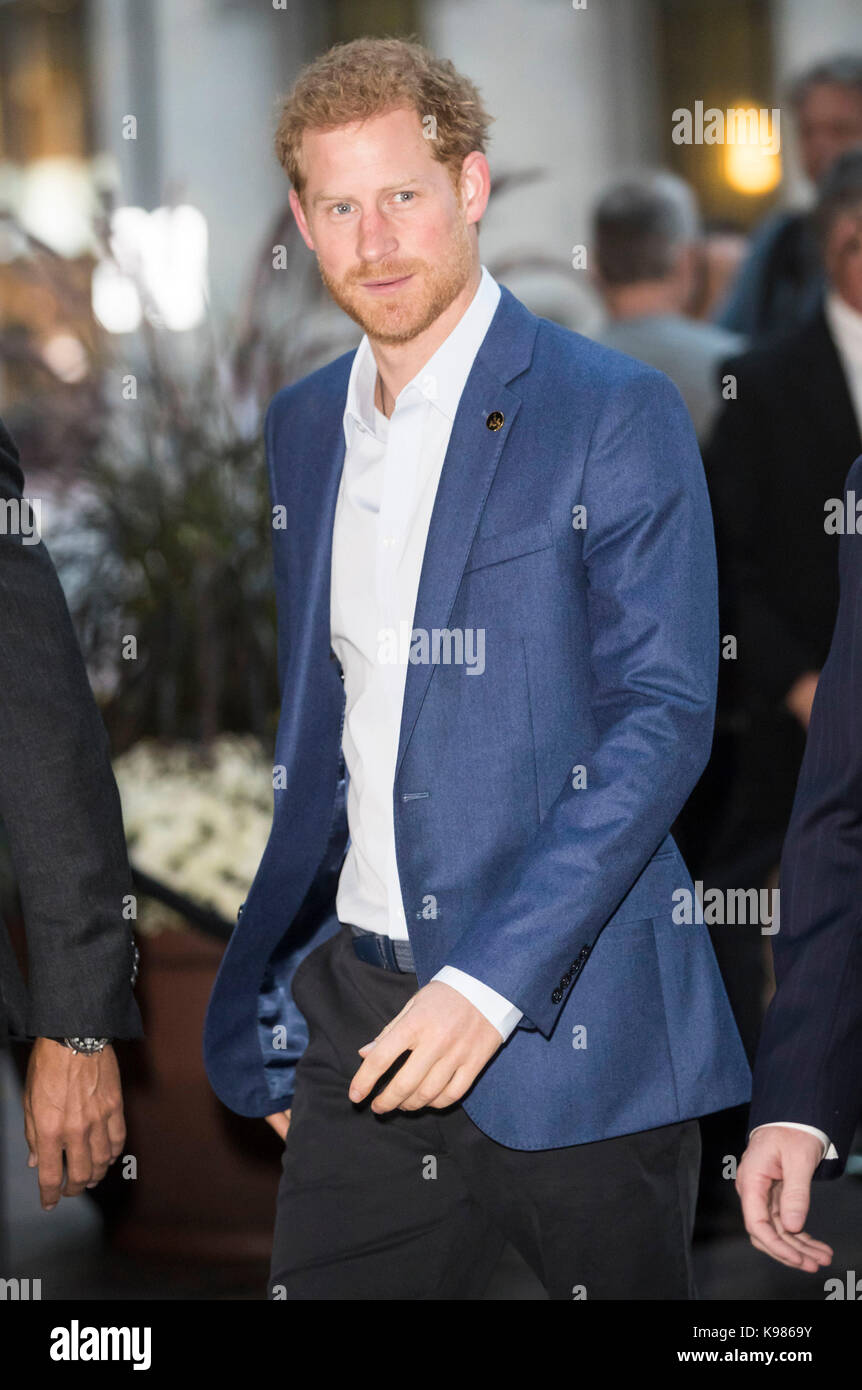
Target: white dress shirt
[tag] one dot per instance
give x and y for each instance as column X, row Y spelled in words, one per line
column 845, row 327
column 383, row 510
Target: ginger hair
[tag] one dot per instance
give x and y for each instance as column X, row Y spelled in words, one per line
column 370, row 76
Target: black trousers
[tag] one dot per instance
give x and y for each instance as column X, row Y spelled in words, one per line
column 419, row 1204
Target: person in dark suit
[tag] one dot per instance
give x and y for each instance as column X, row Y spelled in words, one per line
column 61, row 811
column 808, row 1072
column 782, row 278
column 780, row 452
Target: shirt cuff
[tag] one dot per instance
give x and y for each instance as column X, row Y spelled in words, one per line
column 498, row 1011
column 829, row 1150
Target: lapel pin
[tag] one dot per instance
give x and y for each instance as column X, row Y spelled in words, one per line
column 495, row 420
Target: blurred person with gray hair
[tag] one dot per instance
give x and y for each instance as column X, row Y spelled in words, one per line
column 646, row 230
column 782, row 279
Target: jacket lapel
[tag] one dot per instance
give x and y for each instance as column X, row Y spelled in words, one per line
column 471, row 461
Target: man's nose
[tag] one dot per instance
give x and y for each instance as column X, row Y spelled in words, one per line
column 376, row 238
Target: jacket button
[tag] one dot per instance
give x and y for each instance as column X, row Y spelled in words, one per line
column 565, row 981
column 556, row 996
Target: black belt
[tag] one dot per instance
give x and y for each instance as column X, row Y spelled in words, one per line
column 386, row 951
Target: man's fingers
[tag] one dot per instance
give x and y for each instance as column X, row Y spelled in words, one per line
column 378, row 1061
column 387, row 1028
column 755, row 1193
column 116, row 1128
column 79, row 1165
column 426, row 1078
column 765, row 1237
column 754, row 1189
column 795, row 1194
column 100, row 1153
column 49, row 1157
column 800, row 1240
column 30, row 1136
column 280, row 1122
column 778, row 1250
column 434, row 1084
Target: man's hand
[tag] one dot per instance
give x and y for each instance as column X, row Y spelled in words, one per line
column 72, row 1104
column 800, row 697
column 449, row 1042
column 280, row 1122
column 774, row 1185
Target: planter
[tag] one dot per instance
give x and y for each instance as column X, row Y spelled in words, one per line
column 206, row 1179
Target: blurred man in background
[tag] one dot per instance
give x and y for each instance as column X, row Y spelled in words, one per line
column 780, row 451
column 782, row 280
column 61, row 810
column 646, row 233
column 808, row 1075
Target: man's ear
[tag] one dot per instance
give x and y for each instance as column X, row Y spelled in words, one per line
column 474, row 185
column 299, row 217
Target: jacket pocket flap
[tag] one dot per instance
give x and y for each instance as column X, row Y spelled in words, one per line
column 508, row 545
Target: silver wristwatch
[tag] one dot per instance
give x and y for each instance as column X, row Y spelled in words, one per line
column 86, row 1046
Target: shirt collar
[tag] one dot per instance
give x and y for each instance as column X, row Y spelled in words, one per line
column 845, row 325
column 444, row 375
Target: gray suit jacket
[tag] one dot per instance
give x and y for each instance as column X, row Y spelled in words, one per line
column 688, row 351
column 60, row 807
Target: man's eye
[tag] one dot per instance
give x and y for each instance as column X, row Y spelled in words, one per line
column 338, row 207
column 406, row 193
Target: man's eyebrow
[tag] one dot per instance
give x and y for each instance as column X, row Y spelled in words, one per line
column 389, row 188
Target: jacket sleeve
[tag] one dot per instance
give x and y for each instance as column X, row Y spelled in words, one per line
column 58, row 798
column 809, row 1061
column 652, row 608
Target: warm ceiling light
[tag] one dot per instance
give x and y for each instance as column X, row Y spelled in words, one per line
column 752, row 163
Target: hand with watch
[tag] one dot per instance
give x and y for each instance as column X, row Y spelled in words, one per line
column 73, row 1112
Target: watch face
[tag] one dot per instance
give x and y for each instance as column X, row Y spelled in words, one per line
column 87, row 1045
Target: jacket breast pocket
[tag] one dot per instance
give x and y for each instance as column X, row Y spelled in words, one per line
column 509, row 545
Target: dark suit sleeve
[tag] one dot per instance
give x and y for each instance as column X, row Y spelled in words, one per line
column 772, row 655
column 809, row 1063
column 59, row 803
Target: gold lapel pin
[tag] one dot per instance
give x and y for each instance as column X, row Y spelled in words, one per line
column 495, row 420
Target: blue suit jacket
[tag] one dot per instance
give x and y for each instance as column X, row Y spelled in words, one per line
column 601, row 650
column 809, row 1061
